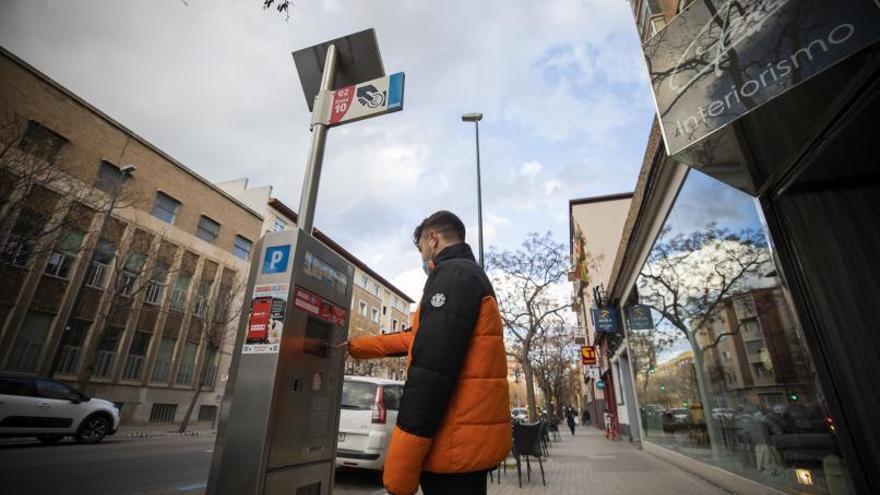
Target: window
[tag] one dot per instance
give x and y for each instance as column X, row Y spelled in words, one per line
column 71, row 346
column 209, row 368
column 41, row 141
column 208, row 229
column 27, row 229
column 163, row 413
column 62, row 258
column 363, row 279
column 242, row 247
column 156, row 285
column 96, row 276
column 362, row 308
column 375, row 289
column 109, row 178
column 658, row 22
column 358, row 395
column 21, row 387
column 28, row 345
column 393, row 325
column 178, row 294
column 107, row 352
column 374, row 315
column 162, row 367
column 391, row 395
column 187, row 364
column 279, row 225
column 165, row 208
column 53, row 390
column 200, row 306
column 134, row 362
column 131, row 270
column 384, row 310
column 725, row 355
column 207, row 414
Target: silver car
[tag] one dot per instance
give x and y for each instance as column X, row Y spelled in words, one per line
column 51, row 410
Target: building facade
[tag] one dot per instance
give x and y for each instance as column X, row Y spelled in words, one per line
column 377, row 305
column 749, row 242
column 595, row 227
column 121, row 268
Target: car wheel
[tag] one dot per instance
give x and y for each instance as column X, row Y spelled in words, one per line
column 92, row 430
column 49, row 439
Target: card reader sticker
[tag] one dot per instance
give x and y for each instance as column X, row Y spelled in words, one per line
column 266, row 319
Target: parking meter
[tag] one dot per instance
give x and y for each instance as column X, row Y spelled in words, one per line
column 280, row 412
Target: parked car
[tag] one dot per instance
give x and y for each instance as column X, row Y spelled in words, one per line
column 676, row 419
column 519, row 414
column 368, row 414
column 51, row 410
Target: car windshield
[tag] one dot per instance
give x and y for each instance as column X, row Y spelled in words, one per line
column 358, row 395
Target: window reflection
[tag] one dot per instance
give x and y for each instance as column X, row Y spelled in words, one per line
column 725, row 376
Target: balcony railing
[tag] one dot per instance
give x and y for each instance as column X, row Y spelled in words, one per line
column 160, row 371
column 104, row 364
column 133, row 366
column 69, row 359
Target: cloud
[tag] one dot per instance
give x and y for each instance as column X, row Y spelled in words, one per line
column 213, row 84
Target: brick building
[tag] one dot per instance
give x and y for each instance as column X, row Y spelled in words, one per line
column 120, row 265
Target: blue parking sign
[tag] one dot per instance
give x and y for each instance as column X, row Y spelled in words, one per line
column 276, row 258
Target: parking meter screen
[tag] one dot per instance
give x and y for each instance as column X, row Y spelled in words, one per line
column 319, row 269
column 317, row 337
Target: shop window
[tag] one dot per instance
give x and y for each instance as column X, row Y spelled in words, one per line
column 710, row 261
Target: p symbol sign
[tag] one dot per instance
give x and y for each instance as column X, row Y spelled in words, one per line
column 276, row 258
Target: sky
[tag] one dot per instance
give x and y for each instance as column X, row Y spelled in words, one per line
column 561, row 84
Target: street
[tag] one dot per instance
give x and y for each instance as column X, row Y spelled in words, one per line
column 158, row 465
column 179, row 465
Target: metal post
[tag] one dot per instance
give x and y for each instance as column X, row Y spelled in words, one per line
column 316, row 154
column 479, row 196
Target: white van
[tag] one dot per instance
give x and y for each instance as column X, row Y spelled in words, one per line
column 369, row 413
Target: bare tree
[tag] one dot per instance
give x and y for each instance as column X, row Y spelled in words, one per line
column 553, row 354
column 524, row 282
column 218, row 329
column 686, row 278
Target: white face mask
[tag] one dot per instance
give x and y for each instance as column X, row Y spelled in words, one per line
column 427, row 266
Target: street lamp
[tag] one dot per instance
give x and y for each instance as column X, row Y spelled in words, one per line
column 476, row 118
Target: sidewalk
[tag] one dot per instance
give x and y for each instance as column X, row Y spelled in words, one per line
column 588, row 464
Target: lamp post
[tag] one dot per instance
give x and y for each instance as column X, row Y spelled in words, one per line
column 476, row 118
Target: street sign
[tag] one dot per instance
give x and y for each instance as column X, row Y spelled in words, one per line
column 361, row 101
column 588, row 355
column 605, row 319
column 638, row 317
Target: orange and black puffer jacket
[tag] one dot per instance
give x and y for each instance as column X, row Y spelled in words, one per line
column 454, row 415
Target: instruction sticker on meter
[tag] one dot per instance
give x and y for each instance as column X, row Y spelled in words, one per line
column 266, row 319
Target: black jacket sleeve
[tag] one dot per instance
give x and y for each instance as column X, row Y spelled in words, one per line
column 448, row 314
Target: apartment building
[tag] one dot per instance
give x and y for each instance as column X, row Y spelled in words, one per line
column 377, row 305
column 120, row 267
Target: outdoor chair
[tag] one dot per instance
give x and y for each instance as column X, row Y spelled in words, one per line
column 527, row 442
column 545, row 437
column 554, row 432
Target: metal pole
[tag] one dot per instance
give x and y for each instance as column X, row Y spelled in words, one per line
column 316, row 154
column 479, row 196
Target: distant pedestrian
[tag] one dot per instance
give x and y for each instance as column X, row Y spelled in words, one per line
column 569, row 418
column 585, row 417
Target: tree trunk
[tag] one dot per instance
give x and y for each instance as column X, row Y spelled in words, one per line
column 530, row 385
column 189, row 409
column 714, row 437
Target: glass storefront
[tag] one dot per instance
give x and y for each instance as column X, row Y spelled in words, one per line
column 725, row 375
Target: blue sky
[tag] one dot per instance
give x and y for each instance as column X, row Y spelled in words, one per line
column 562, row 86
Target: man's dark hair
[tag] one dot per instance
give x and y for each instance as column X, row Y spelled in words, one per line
column 445, row 223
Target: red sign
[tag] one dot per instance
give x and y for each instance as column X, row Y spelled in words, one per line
column 588, row 355
column 341, row 103
column 318, row 306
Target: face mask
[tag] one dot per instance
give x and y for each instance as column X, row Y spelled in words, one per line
column 426, row 267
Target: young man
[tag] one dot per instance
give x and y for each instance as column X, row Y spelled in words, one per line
column 454, row 419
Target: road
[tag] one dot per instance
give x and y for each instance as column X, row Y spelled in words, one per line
column 127, row 466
